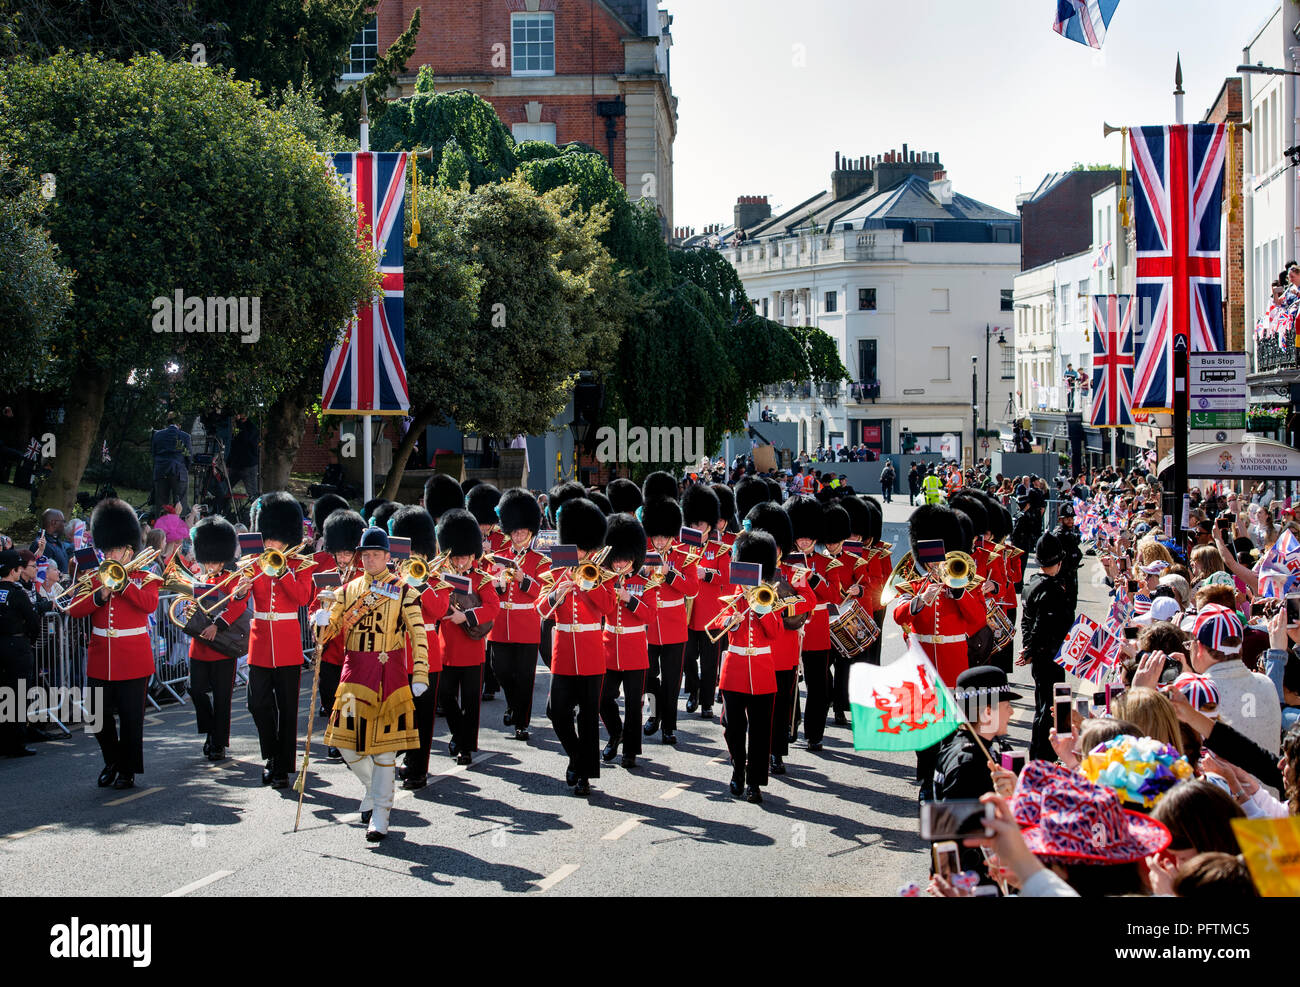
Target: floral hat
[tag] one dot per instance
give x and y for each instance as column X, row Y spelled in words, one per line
column 1066, row 818
column 1140, row 770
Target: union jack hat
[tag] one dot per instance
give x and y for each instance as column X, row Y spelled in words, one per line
column 1214, row 625
column 1198, row 689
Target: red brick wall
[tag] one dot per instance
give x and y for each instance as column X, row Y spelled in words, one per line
column 314, row 456
column 1060, row 223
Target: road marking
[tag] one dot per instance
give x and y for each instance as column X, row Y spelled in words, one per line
column 153, row 720
column 622, row 829
column 456, row 769
column 202, row 882
column 28, row 832
column 546, row 883
column 132, row 797
column 673, row 792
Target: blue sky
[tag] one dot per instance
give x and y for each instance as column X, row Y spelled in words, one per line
column 769, row 90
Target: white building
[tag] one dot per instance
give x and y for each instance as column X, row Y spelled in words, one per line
column 911, row 279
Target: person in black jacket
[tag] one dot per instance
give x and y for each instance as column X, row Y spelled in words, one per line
column 1072, row 554
column 19, row 626
column 1029, row 522
column 1047, row 620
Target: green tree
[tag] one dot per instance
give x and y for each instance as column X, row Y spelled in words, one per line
column 116, row 29
column 172, row 177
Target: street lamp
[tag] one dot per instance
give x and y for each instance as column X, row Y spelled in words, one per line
column 1002, row 341
column 1261, row 69
column 974, row 406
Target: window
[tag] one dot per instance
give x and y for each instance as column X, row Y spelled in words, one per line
column 765, row 308
column 1008, row 296
column 1008, row 361
column 831, row 298
column 866, row 299
column 532, row 39
column 1082, row 304
column 867, row 367
column 365, row 49
column 534, row 132
column 924, row 234
column 939, row 360
column 1001, row 235
column 939, row 300
column 1065, row 303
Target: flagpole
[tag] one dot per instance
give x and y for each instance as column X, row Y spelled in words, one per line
column 1173, row 499
column 367, row 450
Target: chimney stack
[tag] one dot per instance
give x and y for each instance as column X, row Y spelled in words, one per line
column 850, row 177
column 751, row 210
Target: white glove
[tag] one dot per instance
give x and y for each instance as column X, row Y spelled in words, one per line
column 321, row 618
column 327, row 595
column 419, row 689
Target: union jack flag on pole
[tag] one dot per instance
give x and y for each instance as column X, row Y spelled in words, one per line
column 366, row 371
column 1177, row 202
column 1112, row 361
column 1084, row 21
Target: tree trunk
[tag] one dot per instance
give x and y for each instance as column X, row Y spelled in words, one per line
column 282, row 436
column 83, row 408
column 403, row 452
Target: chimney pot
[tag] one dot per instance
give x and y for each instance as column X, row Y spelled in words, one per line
column 837, row 160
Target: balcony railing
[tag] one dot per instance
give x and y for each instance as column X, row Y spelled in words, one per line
column 1270, row 358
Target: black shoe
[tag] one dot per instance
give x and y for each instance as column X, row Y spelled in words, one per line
column 814, row 745
column 207, row 748
column 841, row 720
column 464, row 757
column 401, row 773
column 583, row 787
column 124, row 781
column 280, row 781
column 453, row 748
column 778, row 766
column 508, row 717
column 415, row 784
column 570, row 777
column 629, row 761
column 334, row 754
column 488, row 696
column 107, row 775
column 21, row 752
column 611, row 749
column 651, row 726
column 752, row 794
column 670, row 737
column 218, row 754
column 926, row 793
column 692, row 702
column 706, row 713
column 521, row 734
column 738, row 783
column 266, row 773
column 365, row 816
column 718, row 697
column 374, row 836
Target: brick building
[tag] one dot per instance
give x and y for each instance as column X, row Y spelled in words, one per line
column 595, row 71
column 1056, row 218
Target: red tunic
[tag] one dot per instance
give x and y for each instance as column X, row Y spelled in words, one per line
column 434, row 604
column 200, row 650
column 747, row 663
column 275, row 640
column 578, row 647
column 942, row 627
column 518, row 621
column 119, row 647
column 458, row 648
column 825, row 587
column 681, row 582
column 714, row 572
column 625, row 623
column 786, row 646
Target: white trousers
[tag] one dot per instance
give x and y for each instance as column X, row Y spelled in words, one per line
column 376, row 772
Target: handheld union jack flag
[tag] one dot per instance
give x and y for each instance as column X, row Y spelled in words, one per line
column 1177, row 201
column 1112, row 361
column 1084, row 21
column 366, row 372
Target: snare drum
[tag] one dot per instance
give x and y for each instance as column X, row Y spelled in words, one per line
column 1000, row 624
column 853, row 630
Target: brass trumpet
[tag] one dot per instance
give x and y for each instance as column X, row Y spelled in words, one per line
column 113, row 577
column 763, row 595
column 414, row 572
column 958, row 571
column 592, row 573
column 272, row 562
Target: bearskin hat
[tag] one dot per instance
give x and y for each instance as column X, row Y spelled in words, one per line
column 416, row 524
column 601, row 501
column 726, row 505
column 369, row 507
column 967, row 532
column 835, row 525
column 468, row 484
column 624, row 495
column 750, row 490
column 113, row 524
column 626, row 540
column 973, row 508
column 700, row 503
column 857, row 511
column 773, row 519
column 563, row 493
column 581, row 523
column 756, row 546
column 215, row 540
column 383, row 515
column 1002, row 523
column 481, row 501
column 661, row 518
column 459, row 533
column 659, row 486
column 442, row 493
column 343, row 530
column 934, row 522
column 805, row 517
column 519, row 509
column 279, row 517
column 875, row 517
column 775, row 492
column 324, row 506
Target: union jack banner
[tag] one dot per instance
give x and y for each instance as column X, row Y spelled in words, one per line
column 1112, row 361
column 1177, row 202
column 366, row 371
column 1076, row 643
column 1084, row 21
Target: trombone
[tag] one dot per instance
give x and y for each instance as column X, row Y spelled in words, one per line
column 413, row 571
column 113, row 577
column 763, row 595
column 273, row 562
column 958, row 571
column 592, row 573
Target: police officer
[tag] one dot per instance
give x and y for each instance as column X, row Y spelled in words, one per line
column 1047, row 621
column 1029, row 522
column 1072, row 555
column 19, row 626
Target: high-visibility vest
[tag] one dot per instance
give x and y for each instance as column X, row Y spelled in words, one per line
column 933, row 488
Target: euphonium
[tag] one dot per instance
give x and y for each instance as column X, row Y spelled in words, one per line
column 904, row 572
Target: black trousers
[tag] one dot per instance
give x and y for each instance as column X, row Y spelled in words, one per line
column 273, row 701
column 887, row 491
column 213, row 715
column 749, row 718
column 578, row 694
column 123, row 704
column 816, row 679
column 700, row 665
column 329, row 686
column 547, row 642
column 460, row 692
column 16, row 665
column 417, row 760
column 787, row 682
column 664, row 681
column 926, row 760
column 633, row 685
column 516, row 668
column 490, row 684
column 1046, row 674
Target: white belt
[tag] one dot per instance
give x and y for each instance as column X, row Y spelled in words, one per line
column 626, row 630
column 749, row 651
column 821, row 606
column 664, row 604
column 430, row 628
column 516, row 606
column 939, row 638
column 577, row 628
column 274, row 616
column 119, row 632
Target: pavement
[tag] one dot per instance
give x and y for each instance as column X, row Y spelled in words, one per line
column 838, row 823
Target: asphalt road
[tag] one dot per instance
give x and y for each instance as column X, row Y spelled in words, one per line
column 838, row 823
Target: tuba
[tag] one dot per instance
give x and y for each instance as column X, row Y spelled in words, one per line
column 904, row 572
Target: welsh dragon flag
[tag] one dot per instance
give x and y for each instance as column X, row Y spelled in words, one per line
column 901, row 707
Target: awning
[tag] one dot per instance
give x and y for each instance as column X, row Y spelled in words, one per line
column 1255, row 458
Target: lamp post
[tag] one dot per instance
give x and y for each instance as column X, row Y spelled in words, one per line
column 1002, row 341
column 974, row 406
